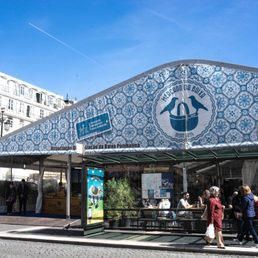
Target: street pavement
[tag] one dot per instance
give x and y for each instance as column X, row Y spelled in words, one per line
column 22, row 249
column 41, row 240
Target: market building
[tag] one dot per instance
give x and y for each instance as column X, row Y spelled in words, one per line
column 187, row 125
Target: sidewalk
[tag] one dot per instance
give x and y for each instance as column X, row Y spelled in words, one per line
column 117, row 238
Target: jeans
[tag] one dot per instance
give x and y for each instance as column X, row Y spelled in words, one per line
column 22, row 204
column 248, row 225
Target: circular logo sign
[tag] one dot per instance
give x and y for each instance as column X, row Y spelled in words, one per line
column 184, row 110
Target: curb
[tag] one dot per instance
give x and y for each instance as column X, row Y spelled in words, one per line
column 161, row 246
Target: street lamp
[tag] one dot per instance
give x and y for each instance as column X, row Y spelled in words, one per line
column 3, row 122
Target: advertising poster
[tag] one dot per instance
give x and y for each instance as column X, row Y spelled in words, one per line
column 95, row 208
column 157, row 185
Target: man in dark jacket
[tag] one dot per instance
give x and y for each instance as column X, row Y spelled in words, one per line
column 23, row 195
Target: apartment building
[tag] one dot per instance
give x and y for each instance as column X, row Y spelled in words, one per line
column 22, row 103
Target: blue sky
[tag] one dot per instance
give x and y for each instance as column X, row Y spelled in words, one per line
column 81, row 47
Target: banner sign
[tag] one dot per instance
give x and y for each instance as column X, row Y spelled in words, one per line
column 95, row 207
column 93, row 126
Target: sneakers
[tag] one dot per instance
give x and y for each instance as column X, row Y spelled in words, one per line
column 237, row 241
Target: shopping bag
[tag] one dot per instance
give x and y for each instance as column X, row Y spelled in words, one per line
column 210, row 233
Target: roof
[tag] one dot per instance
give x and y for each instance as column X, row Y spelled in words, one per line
column 216, row 102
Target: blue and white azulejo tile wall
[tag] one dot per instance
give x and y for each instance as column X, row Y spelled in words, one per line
column 181, row 105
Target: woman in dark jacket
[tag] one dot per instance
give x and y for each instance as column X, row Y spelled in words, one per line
column 248, row 211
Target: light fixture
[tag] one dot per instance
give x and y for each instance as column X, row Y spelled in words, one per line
column 7, row 125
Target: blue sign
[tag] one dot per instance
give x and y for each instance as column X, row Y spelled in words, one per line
column 93, row 126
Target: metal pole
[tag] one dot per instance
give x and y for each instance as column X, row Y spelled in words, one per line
column 39, row 200
column 83, row 195
column 68, row 187
column 184, row 180
column 11, row 168
column 218, row 174
column 2, row 122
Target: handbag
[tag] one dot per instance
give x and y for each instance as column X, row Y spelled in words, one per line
column 210, row 233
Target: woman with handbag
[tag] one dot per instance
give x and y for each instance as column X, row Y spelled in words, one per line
column 215, row 216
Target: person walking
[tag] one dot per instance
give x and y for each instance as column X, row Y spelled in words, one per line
column 237, row 214
column 248, row 211
column 237, row 211
column 23, row 196
column 10, row 198
column 204, row 198
column 215, row 211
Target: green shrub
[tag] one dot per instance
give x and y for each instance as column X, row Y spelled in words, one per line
column 118, row 195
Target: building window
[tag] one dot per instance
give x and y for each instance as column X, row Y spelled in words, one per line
column 21, row 108
column 30, row 93
column 16, row 90
column 21, row 122
column 44, row 99
column 10, row 104
column 38, row 97
column 10, row 121
column 10, row 86
column 28, row 112
column 50, row 100
column 41, row 113
column 21, row 89
column 7, row 86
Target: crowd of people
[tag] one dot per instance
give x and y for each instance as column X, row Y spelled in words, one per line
column 242, row 207
column 243, row 212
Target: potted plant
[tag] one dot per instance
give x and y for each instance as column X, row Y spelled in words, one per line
column 118, row 195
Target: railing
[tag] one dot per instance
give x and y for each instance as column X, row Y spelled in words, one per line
column 155, row 219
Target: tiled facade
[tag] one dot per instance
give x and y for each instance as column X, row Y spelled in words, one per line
column 180, row 105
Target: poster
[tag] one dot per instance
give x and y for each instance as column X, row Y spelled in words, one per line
column 157, row 185
column 95, row 208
